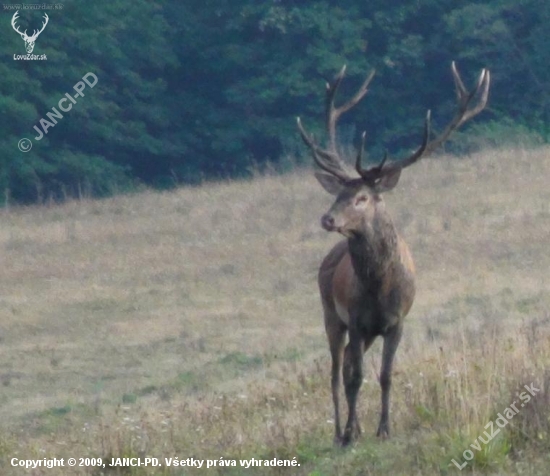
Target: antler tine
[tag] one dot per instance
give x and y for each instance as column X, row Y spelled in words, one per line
column 372, row 174
column 416, row 155
column 44, row 23
column 460, row 89
column 328, row 161
column 483, row 86
column 358, row 95
column 14, row 26
column 359, row 158
column 333, row 113
column 332, row 88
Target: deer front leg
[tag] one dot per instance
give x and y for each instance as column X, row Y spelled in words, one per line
column 336, row 334
column 391, row 342
column 353, row 378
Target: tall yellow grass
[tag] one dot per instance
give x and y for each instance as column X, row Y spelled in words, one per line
column 188, row 324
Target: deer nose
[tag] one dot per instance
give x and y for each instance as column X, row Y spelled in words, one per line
column 327, row 222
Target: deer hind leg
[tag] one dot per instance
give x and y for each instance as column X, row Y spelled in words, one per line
column 336, row 333
column 391, row 342
column 353, row 378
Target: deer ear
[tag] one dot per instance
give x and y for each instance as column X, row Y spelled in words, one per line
column 387, row 182
column 330, row 183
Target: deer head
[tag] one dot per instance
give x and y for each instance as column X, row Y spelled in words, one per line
column 359, row 198
column 29, row 40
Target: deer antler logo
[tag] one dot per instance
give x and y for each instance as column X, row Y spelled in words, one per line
column 29, row 40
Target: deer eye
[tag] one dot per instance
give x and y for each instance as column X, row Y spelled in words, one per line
column 360, row 199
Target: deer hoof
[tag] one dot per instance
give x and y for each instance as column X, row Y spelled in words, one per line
column 383, row 432
column 346, row 440
column 351, row 434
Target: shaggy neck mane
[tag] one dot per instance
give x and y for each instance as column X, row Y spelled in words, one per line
column 374, row 247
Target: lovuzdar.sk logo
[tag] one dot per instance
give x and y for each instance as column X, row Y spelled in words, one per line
column 29, row 40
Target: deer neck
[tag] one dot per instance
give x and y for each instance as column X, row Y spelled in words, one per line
column 374, row 247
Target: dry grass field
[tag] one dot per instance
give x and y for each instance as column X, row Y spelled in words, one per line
column 188, row 324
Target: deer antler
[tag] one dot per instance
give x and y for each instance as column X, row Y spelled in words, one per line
column 16, row 28
column 372, row 174
column 464, row 113
column 329, row 160
column 464, row 98
column 333, row 113
column 35, row 32
column 326, row 160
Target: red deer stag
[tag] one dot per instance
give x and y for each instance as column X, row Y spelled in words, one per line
column 367, row 281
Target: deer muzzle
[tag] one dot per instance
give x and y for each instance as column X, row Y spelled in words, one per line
column 327, row 222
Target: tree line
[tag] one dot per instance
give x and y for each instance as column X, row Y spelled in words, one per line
column 193, row 91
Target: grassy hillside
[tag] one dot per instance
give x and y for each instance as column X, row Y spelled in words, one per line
column 188, row 324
